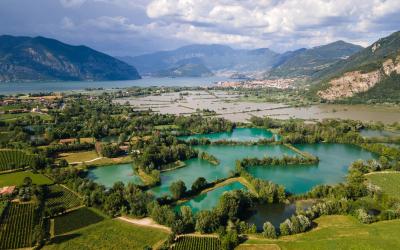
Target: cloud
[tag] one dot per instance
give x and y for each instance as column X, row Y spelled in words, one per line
column 72, row 3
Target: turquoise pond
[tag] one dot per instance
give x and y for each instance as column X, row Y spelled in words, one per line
column 332, row 168
column 209, row 200
column 238, row 134
column 108, row 175
column 227, row 154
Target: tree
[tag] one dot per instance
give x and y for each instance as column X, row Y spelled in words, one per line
column 199, row 184
column 285, row 227
column 229, row 240
column 27, row 181
column 187, row 218
column 269, row 230
column 63, row 163
column 207, row 222
column 178, row 189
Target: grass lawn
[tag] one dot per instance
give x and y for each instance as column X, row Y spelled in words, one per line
column 338, row 232
column 76, row 219
column 110, row 161
column 17, row 178
column 79, row 156
column 110, row 234
column 388, row 182
column 11, row 117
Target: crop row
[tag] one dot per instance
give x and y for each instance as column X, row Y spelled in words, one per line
column 197, row 243
column 14, row 159
column 17, row 226
column 59, row 196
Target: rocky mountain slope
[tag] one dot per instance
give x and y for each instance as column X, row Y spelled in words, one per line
column 39, row 58
column 363, row 71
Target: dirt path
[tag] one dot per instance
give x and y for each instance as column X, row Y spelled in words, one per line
column 80, row 162
column 147, row 222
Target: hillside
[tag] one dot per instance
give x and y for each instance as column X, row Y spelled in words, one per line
column 307, row 62
column 213, row 57
column 367, row 76
column 39, row 58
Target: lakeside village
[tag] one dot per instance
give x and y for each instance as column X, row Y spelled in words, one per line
column 280, row 83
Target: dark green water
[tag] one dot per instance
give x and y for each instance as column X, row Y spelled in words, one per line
column 108, row 175
column 332, row 168
column 378, row 133
column 210, row 199
column 238, row 134
column 227, row 155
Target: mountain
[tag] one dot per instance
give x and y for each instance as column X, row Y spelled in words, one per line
column 366, row 75
column 39, row 58
column 192, row 67
column 216, row 58
column 307, row 62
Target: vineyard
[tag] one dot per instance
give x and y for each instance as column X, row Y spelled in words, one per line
column 197, row 243
column 58, row 196
column 14, row 159
column 17, row 226
column 75, row 220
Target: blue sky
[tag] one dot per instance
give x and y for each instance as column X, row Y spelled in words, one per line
column 131, row 27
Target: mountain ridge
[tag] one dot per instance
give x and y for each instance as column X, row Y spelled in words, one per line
column 24, row 58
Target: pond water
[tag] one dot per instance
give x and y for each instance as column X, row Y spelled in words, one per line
column 238, row 134
column 227, row 154
column 331, row 169
column 108, row 175
column 110, row 139
column 209, row 200
column 378, row 133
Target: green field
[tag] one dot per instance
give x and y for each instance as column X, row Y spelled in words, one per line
column 388, row 182
column 17, row 178
column 75, row 220
column 59, row 196
column 197, row 243
column 337, row 232
column 17, row 225
column 110, row 234
column 14, row 159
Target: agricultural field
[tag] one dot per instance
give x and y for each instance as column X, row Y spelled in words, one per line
column 197, row 243
column 110, row 234
column 76, row 219
column 388, row 182
column 14, row 159
column 59, row 196
column 16, row 228
column 79, row 156
column 17, row 179
column 12, row 117
column 336, row 232
column 3, row 206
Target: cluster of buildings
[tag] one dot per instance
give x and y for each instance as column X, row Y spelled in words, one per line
column 281, row 83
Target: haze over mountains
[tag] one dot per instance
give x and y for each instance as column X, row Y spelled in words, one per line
column 43, row 59
column 223, row 59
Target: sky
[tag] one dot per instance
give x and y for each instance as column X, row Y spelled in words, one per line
column 133, row 27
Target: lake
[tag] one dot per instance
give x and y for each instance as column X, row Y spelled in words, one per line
column 331, row 169
column 238, row 134
column 227, row 154
column 108, row 175
column 59, row 86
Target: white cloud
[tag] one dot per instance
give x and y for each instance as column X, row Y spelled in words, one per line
column 72, row 3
